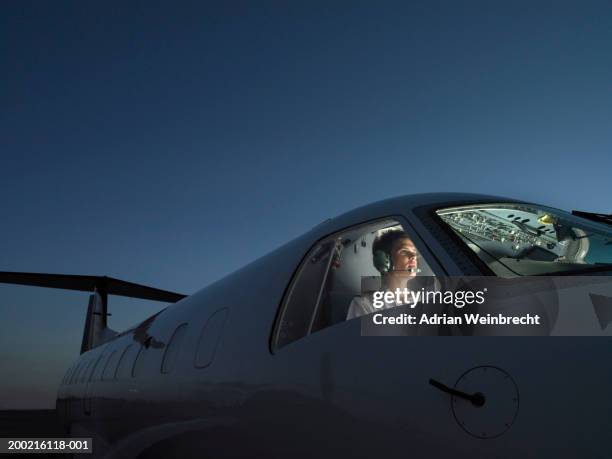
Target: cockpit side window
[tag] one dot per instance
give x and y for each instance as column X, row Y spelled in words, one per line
column 340, row 273
column 304, row 293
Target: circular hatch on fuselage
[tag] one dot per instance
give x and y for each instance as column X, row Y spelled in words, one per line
column 501, row 402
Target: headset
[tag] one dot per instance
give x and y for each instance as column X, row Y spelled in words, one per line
column 382, row 260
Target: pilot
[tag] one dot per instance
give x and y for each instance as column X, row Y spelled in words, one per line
column 395, row 257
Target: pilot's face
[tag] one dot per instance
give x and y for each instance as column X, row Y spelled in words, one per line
column 404, row 255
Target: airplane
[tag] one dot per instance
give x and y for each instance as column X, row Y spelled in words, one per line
column 264, row 363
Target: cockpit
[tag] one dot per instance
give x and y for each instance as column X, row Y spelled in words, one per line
column 525, row 240
column 336, row 271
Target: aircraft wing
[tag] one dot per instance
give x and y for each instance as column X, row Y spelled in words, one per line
column 96, row 330
column 107, row 285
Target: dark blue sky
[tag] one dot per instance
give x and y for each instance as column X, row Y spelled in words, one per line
column 171, row 143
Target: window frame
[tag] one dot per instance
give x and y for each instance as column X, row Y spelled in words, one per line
column 163, row 368
column 83, row 376
column 74, row 375
column 429, row 215
column 203, row 335
column 139, row 355
column 120, row 361
column 97, row 361
column 425, row 252
column 465, row 250
column 66, row 378
column 109, row 377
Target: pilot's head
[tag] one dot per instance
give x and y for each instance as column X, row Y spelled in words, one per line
column 394, row 251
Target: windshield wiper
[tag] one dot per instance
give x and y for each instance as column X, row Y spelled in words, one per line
column 601, row 218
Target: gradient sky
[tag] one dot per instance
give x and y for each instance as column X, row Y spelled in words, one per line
column 171, row 143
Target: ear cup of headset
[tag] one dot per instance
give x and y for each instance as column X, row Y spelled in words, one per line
column 382, row 261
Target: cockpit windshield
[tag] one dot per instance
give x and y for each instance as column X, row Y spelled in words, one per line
column 528, row 240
